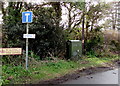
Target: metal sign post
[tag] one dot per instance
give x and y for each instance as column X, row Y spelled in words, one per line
column 27, row 47
column 27, row 18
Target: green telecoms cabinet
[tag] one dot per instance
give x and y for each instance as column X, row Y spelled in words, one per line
column 74, row 49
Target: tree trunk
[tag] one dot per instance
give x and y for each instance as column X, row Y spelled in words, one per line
column 69, row 20
column 2, row 8
column 92, row 26
column 83, row 36
column 87, row 26
column 58, row 10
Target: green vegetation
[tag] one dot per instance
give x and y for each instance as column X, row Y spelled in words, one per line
column 49, row 35
column 0, row 75
column 49, row 70
column 48, row 50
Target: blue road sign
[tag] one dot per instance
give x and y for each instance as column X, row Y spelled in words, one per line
column 27, row 17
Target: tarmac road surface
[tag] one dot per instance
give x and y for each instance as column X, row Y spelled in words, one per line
column 108, row 77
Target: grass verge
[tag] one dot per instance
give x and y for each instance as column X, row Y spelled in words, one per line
column 49, row 70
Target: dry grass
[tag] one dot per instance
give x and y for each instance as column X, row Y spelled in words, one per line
column 111, row 41
column 110, row 35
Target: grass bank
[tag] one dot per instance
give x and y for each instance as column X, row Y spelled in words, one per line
column 49, row 70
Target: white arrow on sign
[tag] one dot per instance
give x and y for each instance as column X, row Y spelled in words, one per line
column 28, row 35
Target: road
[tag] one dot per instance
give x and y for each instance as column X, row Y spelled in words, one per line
column 108, row 77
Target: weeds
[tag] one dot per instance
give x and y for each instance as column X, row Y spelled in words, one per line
column 44, row 71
